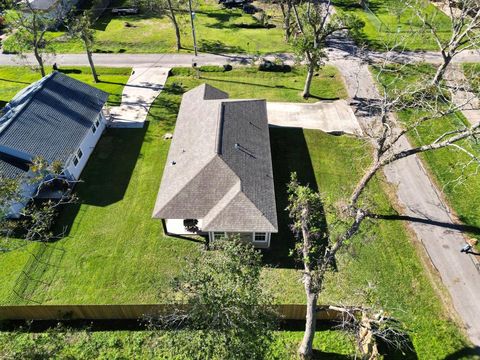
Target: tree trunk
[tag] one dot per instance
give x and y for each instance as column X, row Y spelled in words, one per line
column 306, row 347
column 39, row 59
column 92, row 66
column 286, row 19
column 175, row 25
column 363, row 183
column 308, row 81
column 441, row 70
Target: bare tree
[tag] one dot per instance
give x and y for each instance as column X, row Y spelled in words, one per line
column 29, row 27
column 319, row 242
column 36, row 218
column 81, row 27
column 464, row 34
column 315, row 22
column 369, row 326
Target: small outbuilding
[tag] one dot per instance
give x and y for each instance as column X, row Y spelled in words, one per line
column 218, row 179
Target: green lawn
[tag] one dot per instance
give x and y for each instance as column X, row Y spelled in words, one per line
column 389, row 21
column 83, row 344
column 115, row 252
column 459, row 183
column 15, row 78
column 218, row 30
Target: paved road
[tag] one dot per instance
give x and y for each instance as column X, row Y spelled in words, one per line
column 429, row 217
column 337, row 50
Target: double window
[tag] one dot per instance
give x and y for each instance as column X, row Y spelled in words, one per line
column 95, row 126
column 219, row 235
column 77, row 157
column 260, row 237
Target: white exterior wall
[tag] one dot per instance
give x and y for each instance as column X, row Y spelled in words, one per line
column 176, row 227
column 246, row 236
column 87, row 147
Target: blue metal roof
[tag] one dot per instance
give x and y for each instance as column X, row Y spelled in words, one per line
column 49, row 118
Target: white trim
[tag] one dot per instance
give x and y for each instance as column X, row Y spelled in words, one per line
column 260, row 244
column 264, row 243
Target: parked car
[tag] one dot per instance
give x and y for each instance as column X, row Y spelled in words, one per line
column 125, row 11
column 234, row 3
column 249, row 9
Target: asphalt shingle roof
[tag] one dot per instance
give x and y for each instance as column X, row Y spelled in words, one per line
column 219, row 165
column 50, row 118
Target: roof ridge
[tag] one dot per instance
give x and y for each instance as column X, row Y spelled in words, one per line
column 216, row 210
column 23, row 106
column 155, row 210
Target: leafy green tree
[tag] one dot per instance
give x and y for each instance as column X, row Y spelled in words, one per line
column 315, row 22
column 225, row 311
column 81, row 27
column 29, row 28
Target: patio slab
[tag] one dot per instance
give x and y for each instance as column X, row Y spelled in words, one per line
column 329, row 116
column 141, row 90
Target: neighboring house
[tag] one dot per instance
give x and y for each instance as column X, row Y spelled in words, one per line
column 55, row 8
column 57, row 119
column 218, row 179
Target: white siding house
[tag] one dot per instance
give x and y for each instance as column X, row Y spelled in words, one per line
column 58, row 119
column 218, row 179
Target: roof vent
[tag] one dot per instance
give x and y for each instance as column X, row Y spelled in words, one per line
column 243, row 149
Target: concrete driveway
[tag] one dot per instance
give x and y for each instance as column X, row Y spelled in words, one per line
column 141, row 90
column 329, row 116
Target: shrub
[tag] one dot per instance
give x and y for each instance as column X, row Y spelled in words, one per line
column 211, row 68
column 271, row 66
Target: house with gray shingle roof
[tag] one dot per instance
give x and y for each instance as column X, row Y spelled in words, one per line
column 218, row 178
column 58, row 119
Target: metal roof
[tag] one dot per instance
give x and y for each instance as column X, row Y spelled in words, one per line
column 49, row 118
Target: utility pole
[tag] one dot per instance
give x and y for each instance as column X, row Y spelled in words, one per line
column 193, row 28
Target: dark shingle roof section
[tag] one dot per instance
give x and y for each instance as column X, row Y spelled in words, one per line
column 12, row 168
column 54, row 119
column 219, row 166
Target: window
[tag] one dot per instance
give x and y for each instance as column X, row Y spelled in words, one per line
column 260, row 237
column 94, row 128
column 75, row 160
column 79, row 153
column 97, row 123
column 218, row 235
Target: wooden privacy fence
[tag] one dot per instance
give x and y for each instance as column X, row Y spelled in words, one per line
column 131, row 312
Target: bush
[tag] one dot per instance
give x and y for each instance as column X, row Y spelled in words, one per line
column 271, row 66
column 227, row 67
column 211, row 68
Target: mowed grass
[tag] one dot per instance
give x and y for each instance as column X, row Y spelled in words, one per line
column 115, row 252
column 390, row 22
column 452, row 169
column 85, row 344
column 218, row 30
column 15, row 78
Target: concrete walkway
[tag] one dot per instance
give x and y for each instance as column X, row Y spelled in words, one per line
column 329, row 116
column 141, row 90
column 428, row 215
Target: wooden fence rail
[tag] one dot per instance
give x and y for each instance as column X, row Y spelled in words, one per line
column 130, row 312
